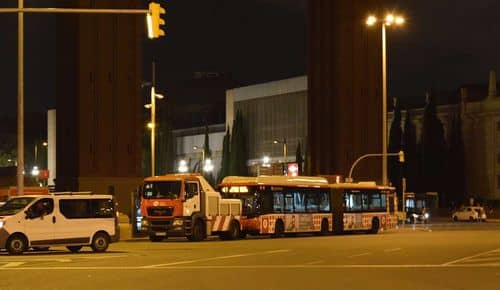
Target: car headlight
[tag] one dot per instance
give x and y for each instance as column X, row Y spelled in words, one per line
column 426, row 215
column 178, row 222
column 2, row 223
column 414, row 215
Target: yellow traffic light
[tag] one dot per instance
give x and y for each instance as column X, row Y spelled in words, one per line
column 154, row 20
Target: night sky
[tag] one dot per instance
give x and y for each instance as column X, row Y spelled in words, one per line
column 446, row 43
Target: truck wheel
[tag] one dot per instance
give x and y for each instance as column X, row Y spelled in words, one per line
column 100, row 242
column 74, row 249
column 16, row 244
column 279, row 229
column 375, row 226
column 234, row 231
column 198, row 232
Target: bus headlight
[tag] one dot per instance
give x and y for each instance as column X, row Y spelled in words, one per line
column 177, row 222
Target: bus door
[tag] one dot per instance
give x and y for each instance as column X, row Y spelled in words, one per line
column 337, row 207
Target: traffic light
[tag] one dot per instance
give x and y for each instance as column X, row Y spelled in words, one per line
column 154, row 20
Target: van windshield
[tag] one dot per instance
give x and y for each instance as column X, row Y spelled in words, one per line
column 162, row 189
column 15, row 205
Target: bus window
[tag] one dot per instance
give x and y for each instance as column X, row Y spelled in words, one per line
column 377, row 202
column 324, row 202
column 299, row 201
column 278, row 202
column 312, row 202
column 288, row 202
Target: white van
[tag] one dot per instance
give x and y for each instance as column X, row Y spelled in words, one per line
column 71, row 220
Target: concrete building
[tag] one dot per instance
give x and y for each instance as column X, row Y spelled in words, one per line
column 271, row 111
column 480, row 111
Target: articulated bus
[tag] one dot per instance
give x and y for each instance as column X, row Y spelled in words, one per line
column 279, row 205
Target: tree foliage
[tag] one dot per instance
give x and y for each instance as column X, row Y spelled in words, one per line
column 238, row 152
column 225, row 163
column 456, row 163
column 299, row 158
column 433, row 148
column 410, row 166
column 395, row 140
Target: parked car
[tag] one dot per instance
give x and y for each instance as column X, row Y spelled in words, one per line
column 469, row 213
column 415, row 215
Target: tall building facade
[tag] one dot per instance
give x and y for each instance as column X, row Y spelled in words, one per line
column 99, row 104
column 344, row 88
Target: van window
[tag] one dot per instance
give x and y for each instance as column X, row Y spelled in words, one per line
column 41, row 208
column 15, row 205
column 86, row 208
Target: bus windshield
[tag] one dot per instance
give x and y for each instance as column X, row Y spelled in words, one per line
column 162, row 190
column 15, row 205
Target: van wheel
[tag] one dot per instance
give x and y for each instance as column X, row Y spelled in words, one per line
column 74, row 249
column 279, row 229
column 16, row 244
column 324, row 227
column 375, row 226
column 100, row 242
column 455, row 219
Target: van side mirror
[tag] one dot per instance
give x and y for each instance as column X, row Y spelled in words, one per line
column 28, row 214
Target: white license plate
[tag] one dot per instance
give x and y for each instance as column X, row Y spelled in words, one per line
column 160, row 234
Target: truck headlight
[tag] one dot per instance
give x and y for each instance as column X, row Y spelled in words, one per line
column 178, row 222
column 144, row 222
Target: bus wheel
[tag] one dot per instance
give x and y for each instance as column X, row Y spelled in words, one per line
column 375, row 226
column 198, row 232
column 74, row 249
column 324, row 227
column 100, row 242
column 279, row 229
column 16, row 244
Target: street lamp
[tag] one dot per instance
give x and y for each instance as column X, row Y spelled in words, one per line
column 389, row 20
column 152, row 123
column 183, row 166
column 276, row 141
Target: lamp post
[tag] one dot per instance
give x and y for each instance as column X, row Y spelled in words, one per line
column 389, row 20
column 400, row 154
column 152, row 124
column 276, row 141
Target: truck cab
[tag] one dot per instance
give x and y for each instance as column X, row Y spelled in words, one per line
column 186, row 205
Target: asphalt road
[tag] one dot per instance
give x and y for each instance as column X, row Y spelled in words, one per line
column 435, row 256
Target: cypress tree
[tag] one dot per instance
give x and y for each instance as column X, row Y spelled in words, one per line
column 433, row 150
column 299, row 158
column 225, row 162
column 456, row 163
column 395, row 137
column 410, row 166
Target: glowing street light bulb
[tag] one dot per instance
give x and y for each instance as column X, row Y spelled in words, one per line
column 183, row 166
column 371, row 20
column 400, row 20
column 151, row 125
column 389, row 19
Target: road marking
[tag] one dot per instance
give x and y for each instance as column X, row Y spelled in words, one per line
column 38, row 260
column 360, row 255
column 104, row 257
column 470, row 257
column 215, row 258
column 392, row 250
column 12, row 264
column 291, row 267
column 315, row 262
